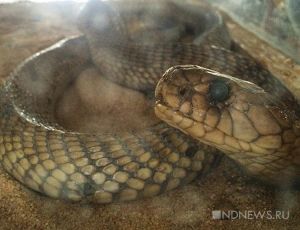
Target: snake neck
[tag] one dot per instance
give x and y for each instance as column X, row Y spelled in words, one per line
column 274, row 157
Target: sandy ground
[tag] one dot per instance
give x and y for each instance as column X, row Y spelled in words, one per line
column 26, row 28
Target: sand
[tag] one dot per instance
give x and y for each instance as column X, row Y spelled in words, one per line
column 28, row 27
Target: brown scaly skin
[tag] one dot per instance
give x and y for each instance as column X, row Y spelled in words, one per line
column 101, row 168
column 123, row 57
column 254, row 127
column 113, row 166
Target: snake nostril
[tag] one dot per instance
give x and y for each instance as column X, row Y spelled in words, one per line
column 183, row 91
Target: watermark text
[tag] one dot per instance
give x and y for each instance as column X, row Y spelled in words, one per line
column 250, row 215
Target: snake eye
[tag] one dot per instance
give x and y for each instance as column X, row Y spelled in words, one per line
column 218, row 91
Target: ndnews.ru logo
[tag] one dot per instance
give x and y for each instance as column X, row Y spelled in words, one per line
column 250, row 215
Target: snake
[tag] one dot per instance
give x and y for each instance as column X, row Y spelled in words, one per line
column 191, row 101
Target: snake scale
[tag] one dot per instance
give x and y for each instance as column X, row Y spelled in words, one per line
column 111, row 167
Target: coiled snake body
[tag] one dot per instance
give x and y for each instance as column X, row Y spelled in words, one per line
column 103, row 168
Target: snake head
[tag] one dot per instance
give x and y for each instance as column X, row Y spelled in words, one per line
column 230, row 114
